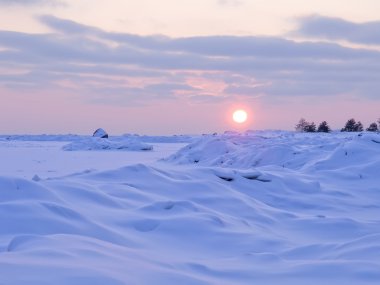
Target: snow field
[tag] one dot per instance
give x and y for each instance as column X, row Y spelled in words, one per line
column 257, row 208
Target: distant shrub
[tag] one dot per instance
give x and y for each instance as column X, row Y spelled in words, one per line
column 304, row 126
column 353, row 126
column 310, row 128
column 359, row 127
column 323, row 127
column 350, row 126
column 302, row 123
column 372, row 128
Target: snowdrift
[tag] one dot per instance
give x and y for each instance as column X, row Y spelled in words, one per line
column 94, row 143
column 284, row 149
column 305, row 218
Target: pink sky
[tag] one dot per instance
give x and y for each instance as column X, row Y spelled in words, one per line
column 44, row 113
column 64, row 69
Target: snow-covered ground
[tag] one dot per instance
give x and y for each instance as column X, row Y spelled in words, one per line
column 252, row 208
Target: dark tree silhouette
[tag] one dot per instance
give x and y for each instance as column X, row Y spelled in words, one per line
column 359, row 127
column 353, row 126
column 324, row 127
column 305, row 126
column 350, row 126
column 372, row 128
column 310, row 128
column 302, row 123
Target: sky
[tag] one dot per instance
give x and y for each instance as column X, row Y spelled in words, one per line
column 182, row 67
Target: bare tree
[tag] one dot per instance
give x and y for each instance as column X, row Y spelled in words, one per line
column 302, row 124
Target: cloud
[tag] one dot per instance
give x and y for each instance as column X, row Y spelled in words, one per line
column 317, row 26
column 121, row 68
column 31, row 3
column 67, row 26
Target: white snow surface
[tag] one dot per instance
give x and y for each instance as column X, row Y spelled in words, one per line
column 252, row 208
column 98, row 143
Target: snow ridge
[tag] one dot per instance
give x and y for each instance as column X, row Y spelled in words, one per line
column 256, row 208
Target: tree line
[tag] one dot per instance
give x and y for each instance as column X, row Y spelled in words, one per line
column 350, row 126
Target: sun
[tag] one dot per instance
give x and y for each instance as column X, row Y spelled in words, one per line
column 240, row 116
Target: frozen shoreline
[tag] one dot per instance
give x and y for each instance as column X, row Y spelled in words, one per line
column 305, row 213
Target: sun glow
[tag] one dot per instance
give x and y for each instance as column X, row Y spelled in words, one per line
column 240, row 116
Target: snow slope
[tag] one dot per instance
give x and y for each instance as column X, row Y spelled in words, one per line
column 255, row 208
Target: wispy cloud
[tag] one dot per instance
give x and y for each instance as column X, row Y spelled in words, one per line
column 338, row 29
column 119, row 68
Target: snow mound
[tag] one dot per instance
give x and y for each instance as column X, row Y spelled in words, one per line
column 359, row 154
column 160, row 139
column 284, row 149
column 107, row 144
column 307, row 213
column 202, row 225
column 249, row 150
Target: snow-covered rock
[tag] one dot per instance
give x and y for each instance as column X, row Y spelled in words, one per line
column 100, row 133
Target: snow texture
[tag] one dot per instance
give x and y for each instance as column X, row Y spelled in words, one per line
column 100, row 143
column 252, row 208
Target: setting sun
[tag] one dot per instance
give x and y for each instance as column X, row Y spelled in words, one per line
column 240, row 116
